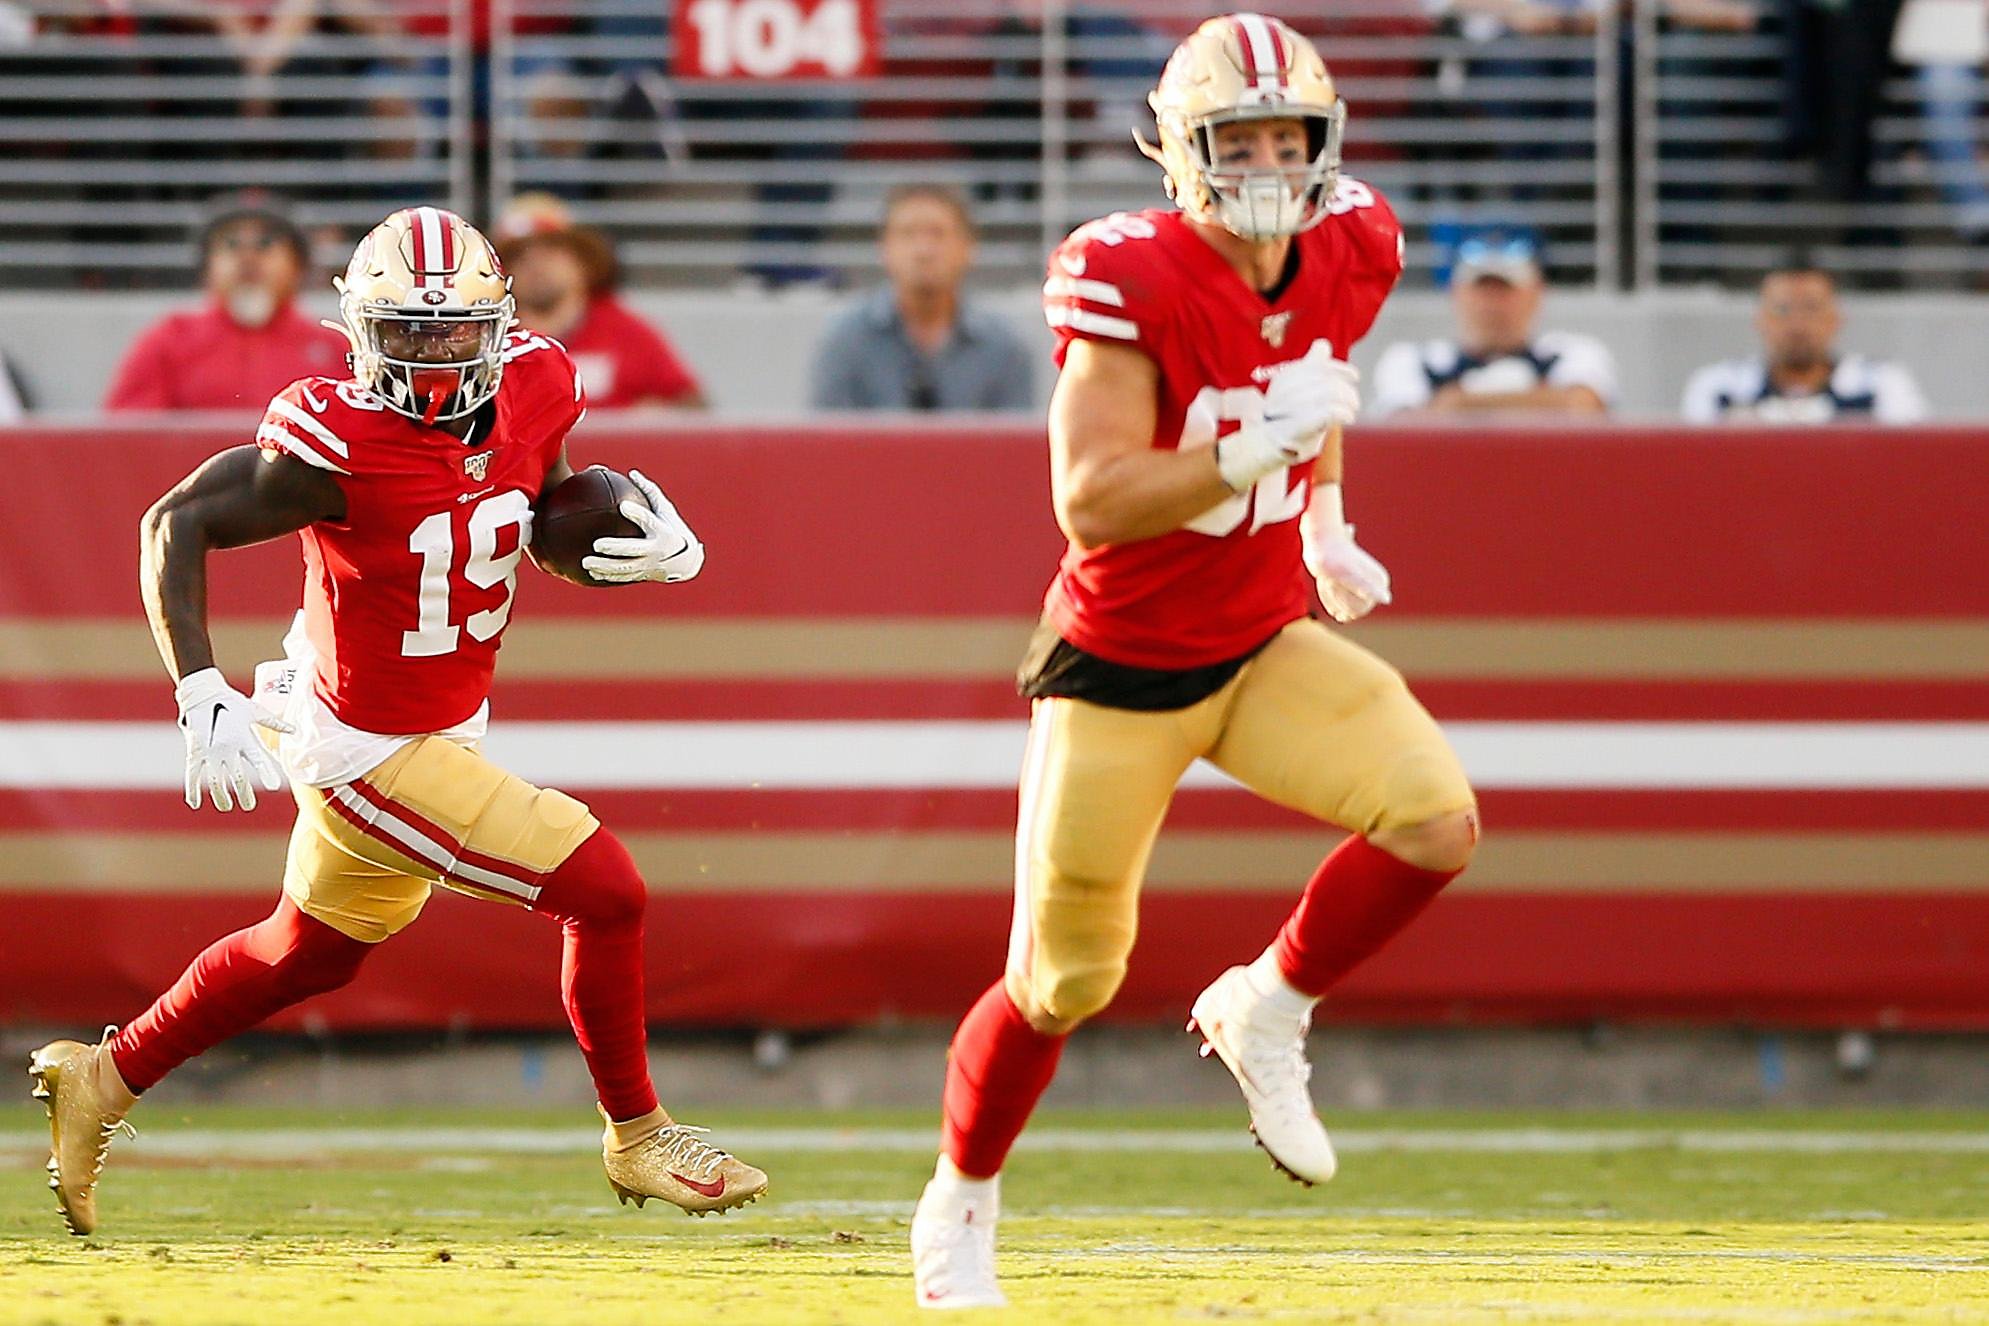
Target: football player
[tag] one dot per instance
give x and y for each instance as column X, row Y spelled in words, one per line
column 412, row 485
column 1195, row 462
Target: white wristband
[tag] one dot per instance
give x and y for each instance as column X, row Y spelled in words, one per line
column 1325, row 509
column 1246, row 456
column 199, row 688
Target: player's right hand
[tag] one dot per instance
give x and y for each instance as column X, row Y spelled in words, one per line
column 224, row 755
column 1306, row 398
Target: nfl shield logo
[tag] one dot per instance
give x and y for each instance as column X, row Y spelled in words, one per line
column 1274, row 327
column 477, row 466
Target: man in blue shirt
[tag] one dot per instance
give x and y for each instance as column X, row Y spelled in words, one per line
column 918, row 343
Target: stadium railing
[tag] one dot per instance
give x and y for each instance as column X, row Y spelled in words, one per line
column 119, row 124
column 1722, row 193
column 1032, row 119
column 1646, row 153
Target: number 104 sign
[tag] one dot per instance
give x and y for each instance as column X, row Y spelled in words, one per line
column 768, row 39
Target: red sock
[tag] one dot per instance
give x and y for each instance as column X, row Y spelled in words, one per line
column 598, row 896
column 236, row 982
column 1356, row 901
column 997, row 1070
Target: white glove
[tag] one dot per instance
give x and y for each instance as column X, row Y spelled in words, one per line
column 1306, row 398
column 1351, row 582
column 667, row 550
column 222, row 748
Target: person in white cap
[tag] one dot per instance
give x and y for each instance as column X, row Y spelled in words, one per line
column 1497, row 364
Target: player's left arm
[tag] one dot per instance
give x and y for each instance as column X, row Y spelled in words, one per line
column 1352, row 583
column 667, row 550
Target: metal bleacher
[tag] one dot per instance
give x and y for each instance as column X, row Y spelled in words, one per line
column 1642, row 155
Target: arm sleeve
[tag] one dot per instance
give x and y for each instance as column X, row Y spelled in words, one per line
column 1374, row 236
column 1585, row 362
column 144, row 377
column 1701, row 403
column 1099, row 286
column 1898, row 397
column 1399, row 381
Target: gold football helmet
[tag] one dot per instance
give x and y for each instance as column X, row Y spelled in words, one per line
column 1247, row 67
column 426, row 305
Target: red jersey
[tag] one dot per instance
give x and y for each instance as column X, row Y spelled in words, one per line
column 623, row 360
column 406, row 598
column 203, row 359
column 1231, row 578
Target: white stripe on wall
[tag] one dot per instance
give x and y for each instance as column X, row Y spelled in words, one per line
column 1533, row 755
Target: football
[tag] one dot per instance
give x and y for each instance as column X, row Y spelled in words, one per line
column 586, row 507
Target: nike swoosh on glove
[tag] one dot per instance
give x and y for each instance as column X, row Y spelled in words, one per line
column 224, row 756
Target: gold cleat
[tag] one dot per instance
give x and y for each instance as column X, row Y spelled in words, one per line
column 86, row 1101
column 654, row 1156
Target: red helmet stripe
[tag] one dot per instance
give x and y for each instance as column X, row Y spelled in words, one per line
column 1278, row 52
column 420, row 233
column 1263, row 49
column 447, row 221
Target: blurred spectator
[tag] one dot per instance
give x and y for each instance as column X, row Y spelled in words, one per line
column 1497, row 363
column 918, row 343
column 1945, row 43
column 1837, row 56
column 1800, row 378
column 249, row 341
column 564, row 281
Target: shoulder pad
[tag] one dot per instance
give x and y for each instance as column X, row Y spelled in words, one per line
column 1105, row 282
column 316, row 421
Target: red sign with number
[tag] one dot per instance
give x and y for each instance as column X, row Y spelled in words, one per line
column 774, row 39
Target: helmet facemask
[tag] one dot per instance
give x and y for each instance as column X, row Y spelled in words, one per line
column 1266, row 204
column 1246, row 68
column 426, row 305
column 434, row 367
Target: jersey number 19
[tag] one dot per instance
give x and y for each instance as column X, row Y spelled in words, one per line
column 434, row 542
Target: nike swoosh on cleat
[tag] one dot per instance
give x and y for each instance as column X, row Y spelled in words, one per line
column 715, row 1188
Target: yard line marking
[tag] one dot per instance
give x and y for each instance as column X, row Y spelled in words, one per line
column 288, row 1143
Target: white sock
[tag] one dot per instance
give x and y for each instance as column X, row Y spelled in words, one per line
column 956, row 1191
column 1271, row 986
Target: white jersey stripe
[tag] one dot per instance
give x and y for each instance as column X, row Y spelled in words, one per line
column 332, row 441
column 1098, row 292
column 424, row 848
column 295, row 446
column 1124, row 329
column 429, row 252
column 1262, row 49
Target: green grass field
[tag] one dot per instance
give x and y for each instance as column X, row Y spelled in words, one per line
column 219, row 1217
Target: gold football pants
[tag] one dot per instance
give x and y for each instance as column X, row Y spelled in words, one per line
column 364, row 854
column 1313, row 722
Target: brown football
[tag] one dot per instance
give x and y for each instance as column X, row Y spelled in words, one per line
column 569, row 518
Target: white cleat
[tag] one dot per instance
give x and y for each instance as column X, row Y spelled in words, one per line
column 1264, row 1049
column 953, row 1249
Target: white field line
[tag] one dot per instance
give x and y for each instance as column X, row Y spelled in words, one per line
column 300, row 1143
column 988, row 754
